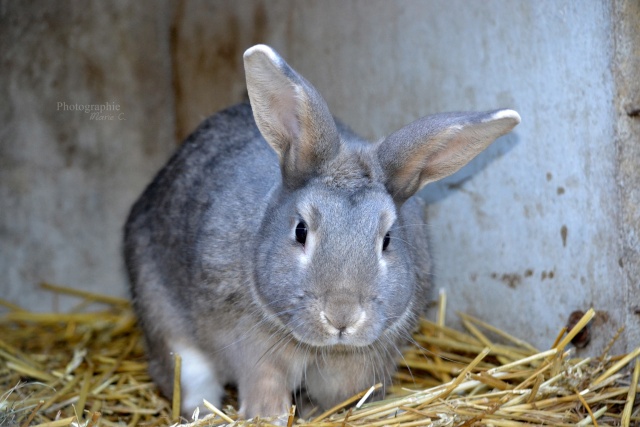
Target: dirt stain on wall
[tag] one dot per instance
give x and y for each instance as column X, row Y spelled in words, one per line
column 207, row 44
column 564, row 231
column 547, row 275
column 512, row 280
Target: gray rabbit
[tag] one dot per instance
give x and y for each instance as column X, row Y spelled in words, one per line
column 282, row 253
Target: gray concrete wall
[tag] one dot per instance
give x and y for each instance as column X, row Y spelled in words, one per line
column 626, row 71
column 67, row 179
column 543, row 223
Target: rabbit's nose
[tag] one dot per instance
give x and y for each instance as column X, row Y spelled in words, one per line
column 344, row 319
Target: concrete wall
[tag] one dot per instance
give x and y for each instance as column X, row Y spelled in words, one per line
column 67, row 179
column 626, row 71
column 543, row 223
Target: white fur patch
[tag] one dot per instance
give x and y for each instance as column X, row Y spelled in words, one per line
column 325, row 322
column 197, row 379
column 383, row 265
column 506, row 114
column 261, row 48
column 309, row 246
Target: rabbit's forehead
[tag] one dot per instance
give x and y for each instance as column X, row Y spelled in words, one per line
column 370, row 207
column 355, row 167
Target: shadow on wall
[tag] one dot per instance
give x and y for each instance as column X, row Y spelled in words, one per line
column 440, row 190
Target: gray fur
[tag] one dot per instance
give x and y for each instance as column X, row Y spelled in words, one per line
column 217, row 274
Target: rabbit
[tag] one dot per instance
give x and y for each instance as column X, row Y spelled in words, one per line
column 279, row 252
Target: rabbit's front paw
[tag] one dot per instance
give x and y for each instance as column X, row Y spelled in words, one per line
column 265, row 396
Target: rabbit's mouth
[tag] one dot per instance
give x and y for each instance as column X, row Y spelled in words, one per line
column 338, row 344
column 337, row 330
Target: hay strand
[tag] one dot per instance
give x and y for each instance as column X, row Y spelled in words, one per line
column 631, row 395
column 217, row 411
column 355, row 398
column 617, row 366
column 84, row 392
column 86, row 296
column 32, row 414
column 58, row 423
column 576, row 329
column 292, row 416
column 177, row 391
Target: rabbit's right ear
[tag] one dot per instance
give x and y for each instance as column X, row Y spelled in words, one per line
column 291, row 115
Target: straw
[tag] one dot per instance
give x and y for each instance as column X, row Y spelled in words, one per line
column 89, row 369
column 217, row 411
column 631, row 395
column 347, row 402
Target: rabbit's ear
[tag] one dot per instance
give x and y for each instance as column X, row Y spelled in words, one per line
column 291, row 115
column 436, row 146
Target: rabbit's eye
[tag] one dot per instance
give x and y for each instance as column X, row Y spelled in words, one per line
column 386, row 240
column 301, row 232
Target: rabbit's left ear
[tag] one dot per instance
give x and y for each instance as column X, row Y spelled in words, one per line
column 291, row 115
column 436, row 146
